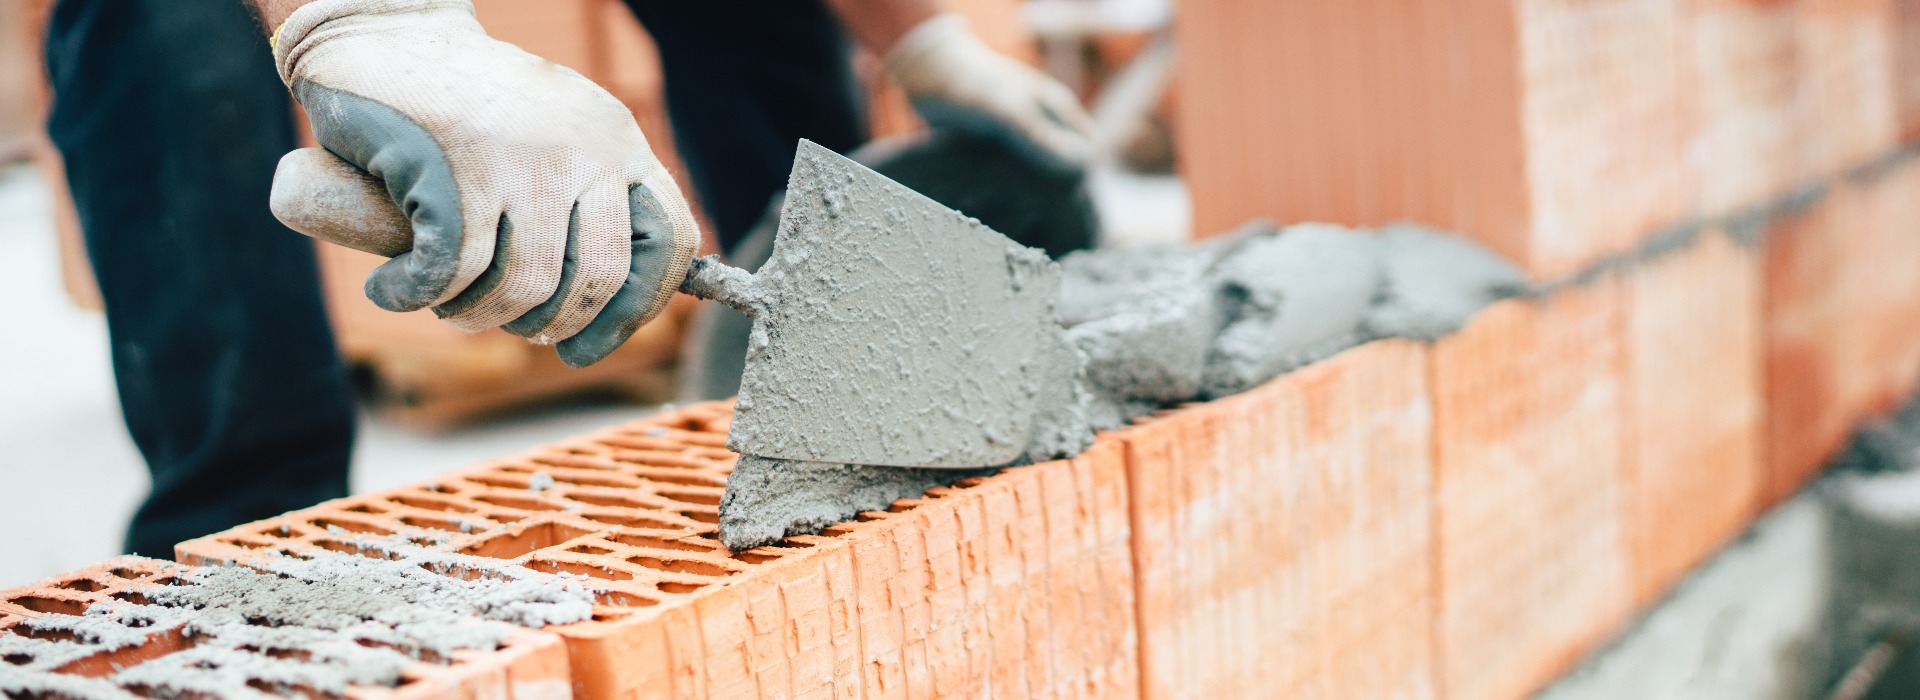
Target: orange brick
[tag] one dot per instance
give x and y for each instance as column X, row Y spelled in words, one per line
column 557, row 30
column 1820, row 381
column 1011, row 582
column 1491, row 118
column 1533, row 559
column 1737, row 101
column 1694, row 406
column 528, row 665
column 1282, row 536
column 1845, row 114
column 1888, row 264
column 1906, row 74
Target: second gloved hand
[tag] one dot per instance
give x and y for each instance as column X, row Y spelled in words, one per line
column 955, row 81
column 535, row 202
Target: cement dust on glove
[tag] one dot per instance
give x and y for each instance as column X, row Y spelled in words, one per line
column 533, row 201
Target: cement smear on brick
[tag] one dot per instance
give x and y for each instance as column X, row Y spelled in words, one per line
column 770, row 499
column 1165, row 325
column 321, row 624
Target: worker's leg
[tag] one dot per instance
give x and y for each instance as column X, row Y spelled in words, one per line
column 745, row 81
column 170, row 118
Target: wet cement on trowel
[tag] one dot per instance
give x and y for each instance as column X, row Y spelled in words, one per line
column 319, row 624
column 1160, row 326
column 859, row 325
column 857, row 329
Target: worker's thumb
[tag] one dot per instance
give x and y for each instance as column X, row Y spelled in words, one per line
column 322, row 196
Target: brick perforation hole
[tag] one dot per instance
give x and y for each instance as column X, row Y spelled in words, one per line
column 123, row 578
column 633, row 508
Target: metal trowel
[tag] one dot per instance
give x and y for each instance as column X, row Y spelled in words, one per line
column 888, row 330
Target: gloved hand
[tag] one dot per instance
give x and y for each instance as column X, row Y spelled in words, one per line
column 957, row 82
column 535, row 201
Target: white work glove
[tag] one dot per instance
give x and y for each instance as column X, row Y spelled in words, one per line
column 957, row 82
column 535, row 202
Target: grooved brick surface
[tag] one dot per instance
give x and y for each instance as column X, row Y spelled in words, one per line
column 1490, row 118
column 1014, row 585
column 1283, row 536
column 1737, row 103
column 1818, row 386
column 1888, row 261
column 1845, row 112
column 1533, row 565
column 1694, row 406
column 528, row 665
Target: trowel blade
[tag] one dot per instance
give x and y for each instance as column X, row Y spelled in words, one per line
column 895, row 331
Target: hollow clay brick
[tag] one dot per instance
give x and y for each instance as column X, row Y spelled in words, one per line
column 1818, row 299
column 1887, row 310
column 1493, row 118
column 1906, row 73
column 1282, row 537
column 1015, row 585
column 1533, row 564
column 1694, row 407
column 560, row 31
column 528, row 665
column 1845, row 113
column 1737, row 101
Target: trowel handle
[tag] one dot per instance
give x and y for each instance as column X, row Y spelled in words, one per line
column 326, row 198
column 316, row 193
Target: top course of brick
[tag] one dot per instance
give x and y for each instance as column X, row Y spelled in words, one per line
column 132, row 628
column 1015, row 584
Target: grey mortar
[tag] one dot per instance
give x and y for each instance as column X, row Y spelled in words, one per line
column 959, row 340
column 1434, row 282
column 770, row 499
column 325, row 623
column 1259, row 300
column 1290, row 299
column 1145, row 329
column 1152, row 354
column 873, row 346
column 16, row 682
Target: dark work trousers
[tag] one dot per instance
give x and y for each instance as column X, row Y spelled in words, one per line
column 745, row 81
column 170, row 118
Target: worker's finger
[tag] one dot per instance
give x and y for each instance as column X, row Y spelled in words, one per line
column 531, row 323
column 1063, row 127
column 594, row 268
column 528, row 253
column 664, row 237
column 419, row 180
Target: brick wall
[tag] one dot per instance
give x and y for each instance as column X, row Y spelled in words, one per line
column 1015, row 585
column 1293, row 522
column 1695, row 409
